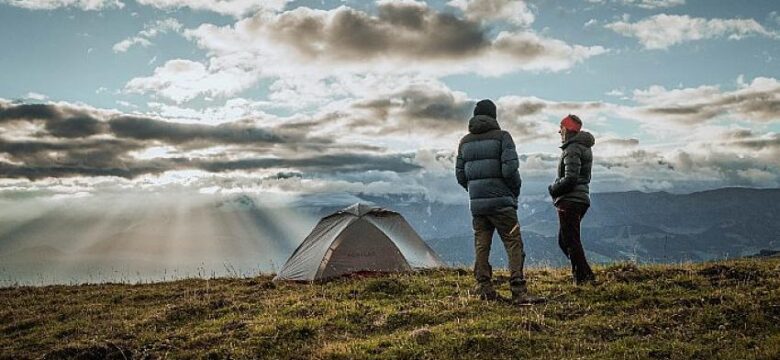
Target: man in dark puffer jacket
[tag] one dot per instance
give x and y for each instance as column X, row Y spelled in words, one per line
column 486, row 167
column 570, row 193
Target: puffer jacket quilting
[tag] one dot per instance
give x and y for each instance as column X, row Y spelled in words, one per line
column 487, row 167
column 574, row 170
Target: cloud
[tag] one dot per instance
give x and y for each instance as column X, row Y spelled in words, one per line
column 712, row 157
column 758, row 101
column 75, row 127
column 334, row 146
column 235, row 8
column 528, row 118
column 38, row 159
column 512, row 11
column 534, row 52
column 662, row 31
column 681, row 170
column 775, row 16
column 431, row 112
column 183, row 80
column 80, row 142
column 86, row 5
column 746, row 139
column 401, row 31
column 59, row 120
column 425, row 107
column 330, row 163
column 126, row 44
column 43, row 172
column 344, row 34
column 93, row 163
column 619, row 142
column 303, row 49
column 591, row 22
column 728, row 168
column 142, row 128
column 10, row 112
column 616, row 93
column 233, row 109
column 35, row 96
column 653, row 4
column 67, row 121
column 430, row 115
column 151, row 30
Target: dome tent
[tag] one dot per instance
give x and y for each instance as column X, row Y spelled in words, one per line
column 355, row 239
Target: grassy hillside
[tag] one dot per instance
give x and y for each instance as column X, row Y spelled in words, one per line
column 728, row 310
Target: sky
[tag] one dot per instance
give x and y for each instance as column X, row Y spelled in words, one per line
column 285, row 99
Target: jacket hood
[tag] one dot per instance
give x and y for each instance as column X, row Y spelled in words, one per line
column 583, row 138
column 482, row 123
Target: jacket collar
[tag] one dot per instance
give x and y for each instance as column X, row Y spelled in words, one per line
column 583, row 138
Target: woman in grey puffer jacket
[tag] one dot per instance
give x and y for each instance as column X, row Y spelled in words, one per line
column 570, row 193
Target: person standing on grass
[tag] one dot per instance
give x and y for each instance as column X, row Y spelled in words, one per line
column 487, row 167
column 570, row 193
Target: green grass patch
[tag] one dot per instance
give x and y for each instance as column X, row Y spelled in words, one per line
column 717, row 310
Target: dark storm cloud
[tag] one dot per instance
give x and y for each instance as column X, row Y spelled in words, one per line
column 20, row 148
column 129, row 169
column 91, row 157
column 75, row 127
column 142, row 128
column 419, row 103
column 425, row 108
column 60, row 121
column 399, row 29
column 65, row 122
column 57, row 158
column 33, row 172
column 29, row 112
column 331, row 163
column 67, row 148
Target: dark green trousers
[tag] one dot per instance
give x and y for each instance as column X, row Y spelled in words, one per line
column 506, row 224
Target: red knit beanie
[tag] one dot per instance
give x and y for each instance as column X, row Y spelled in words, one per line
column 572, row 123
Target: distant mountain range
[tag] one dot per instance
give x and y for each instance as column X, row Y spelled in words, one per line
column 238, row 235
column 645, row 227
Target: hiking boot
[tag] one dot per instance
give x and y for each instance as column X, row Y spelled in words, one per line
column 524, row 298
column 487, row 292
column 588, row 280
